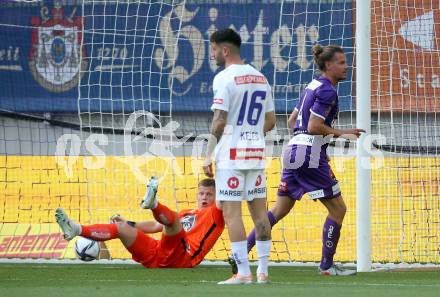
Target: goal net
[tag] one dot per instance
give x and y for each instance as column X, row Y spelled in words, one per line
column 405, row 76
column 121, row 90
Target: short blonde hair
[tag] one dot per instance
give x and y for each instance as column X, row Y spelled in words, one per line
column 207, row 182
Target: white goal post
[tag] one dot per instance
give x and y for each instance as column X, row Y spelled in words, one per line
column 363, row 121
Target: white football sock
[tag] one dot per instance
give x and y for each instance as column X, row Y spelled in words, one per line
column 263, row 253
column 239, row 252
column 77, row 228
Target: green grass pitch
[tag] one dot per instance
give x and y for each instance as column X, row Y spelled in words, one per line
column 18, row 280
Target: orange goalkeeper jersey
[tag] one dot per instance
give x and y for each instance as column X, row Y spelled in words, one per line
column 203, row 228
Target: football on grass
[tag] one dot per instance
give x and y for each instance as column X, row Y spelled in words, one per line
column 86, row 249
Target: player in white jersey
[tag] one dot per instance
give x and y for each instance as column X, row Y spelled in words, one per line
column 243, row 112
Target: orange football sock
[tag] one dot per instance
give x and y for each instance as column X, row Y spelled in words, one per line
column 164, row 215
column 100, row 232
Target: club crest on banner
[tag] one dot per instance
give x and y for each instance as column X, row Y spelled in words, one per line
column 55, row 57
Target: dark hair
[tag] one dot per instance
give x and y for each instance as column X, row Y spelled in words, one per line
column 207, row 182
column 226, row 35
column 324, row 54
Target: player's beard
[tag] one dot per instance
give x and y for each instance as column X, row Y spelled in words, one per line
column 220, row 61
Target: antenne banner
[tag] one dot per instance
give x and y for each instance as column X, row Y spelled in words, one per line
column 32, row 241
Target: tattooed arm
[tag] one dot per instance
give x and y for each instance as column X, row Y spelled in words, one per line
column 217, row 127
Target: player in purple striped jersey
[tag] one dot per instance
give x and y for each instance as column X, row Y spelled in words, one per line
column 306, row 164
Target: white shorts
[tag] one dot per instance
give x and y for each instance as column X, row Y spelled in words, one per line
column 238, row 185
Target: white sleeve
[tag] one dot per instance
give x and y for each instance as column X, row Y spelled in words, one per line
column 221, row 95
column 269, row 100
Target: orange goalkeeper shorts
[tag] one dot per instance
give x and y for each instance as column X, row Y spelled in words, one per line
column 168, row 252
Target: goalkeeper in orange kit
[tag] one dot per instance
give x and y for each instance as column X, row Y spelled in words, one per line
column 187, row 236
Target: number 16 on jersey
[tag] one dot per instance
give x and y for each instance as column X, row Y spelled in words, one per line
column 254, row 110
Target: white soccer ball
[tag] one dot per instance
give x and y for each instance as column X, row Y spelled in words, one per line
column 86, row 249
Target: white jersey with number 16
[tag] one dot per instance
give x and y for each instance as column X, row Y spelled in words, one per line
column 245, row 94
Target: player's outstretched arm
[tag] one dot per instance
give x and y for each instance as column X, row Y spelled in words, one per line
column 149, row 227
column 145, row 227
column 317, row 126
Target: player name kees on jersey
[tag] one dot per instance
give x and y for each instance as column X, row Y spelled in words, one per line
column 249, row 135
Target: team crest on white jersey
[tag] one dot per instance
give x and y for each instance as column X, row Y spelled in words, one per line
column 55, row 57
column 188, row 222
